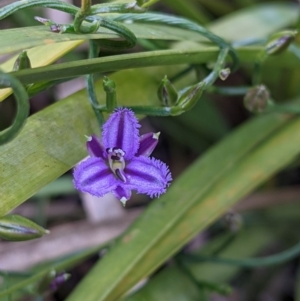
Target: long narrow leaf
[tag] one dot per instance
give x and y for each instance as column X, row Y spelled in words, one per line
column 241, row 162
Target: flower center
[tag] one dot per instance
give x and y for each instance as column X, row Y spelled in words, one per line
column 116, row 162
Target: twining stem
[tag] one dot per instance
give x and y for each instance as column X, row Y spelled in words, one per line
column 120, row 29
column 90, row 85
column 189, row 96
column 155, row 18
column 22, row 101
column 86, row 6
column 82, row 14
column 109, row 87
column 220, row 288
column 212, row 77
column 54, row 4
column 249, row 262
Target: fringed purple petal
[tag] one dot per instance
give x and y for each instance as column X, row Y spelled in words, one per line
column 148, row 143
column 122, row 194
column 94, row 147
column 148, row 176
column 121, row 131
column 95, row 177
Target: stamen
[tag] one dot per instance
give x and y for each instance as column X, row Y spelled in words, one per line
column 116, row 162
column 119, row 173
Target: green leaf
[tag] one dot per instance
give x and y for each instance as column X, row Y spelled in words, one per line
column 226, row 173
column 173, row 284
column 16, row 39
column 51, row 142
column 189, row 9
column 34, row 276
column 256, row 22
column 39, row 56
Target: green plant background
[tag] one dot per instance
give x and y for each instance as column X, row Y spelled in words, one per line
column 244, row 158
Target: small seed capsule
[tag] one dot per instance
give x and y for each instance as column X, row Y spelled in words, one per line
column 257, row 99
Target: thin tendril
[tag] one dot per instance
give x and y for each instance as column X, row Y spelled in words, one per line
column 249, row 262
column 22, row 101
column 181, row 23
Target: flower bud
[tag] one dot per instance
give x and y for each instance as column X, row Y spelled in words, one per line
column 22, row 62
column 59, row 280
column 51, row 281
column 167, row 93
column 46, row 22
column 56, row 28
column 233, row 221
column 257, row 99
column 280, row 41
column 44, row 284
column 224, row 73
column 190, row 96
column 18, row 228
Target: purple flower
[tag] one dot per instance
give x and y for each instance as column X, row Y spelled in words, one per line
column 120, row 162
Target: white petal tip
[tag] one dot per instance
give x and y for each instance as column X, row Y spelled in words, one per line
column 156, row 135
column 123, row 200
column 88, row 138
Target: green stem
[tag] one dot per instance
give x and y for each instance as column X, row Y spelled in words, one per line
column 22, row 101
column 90, row 85
column 113, row 63
column 152, row 111
column 213, row 287
column 213, row 76
column 120, row 8
column 282, row 108
column 123, row 31
column 257, row 71
column 232, row 91
column 61, row 265
column 249, row 262
column 86, row 6
column 181, row 23
column 55, row 4
column 81, row 14
column 109, row 87
column 181, row 74
column 71, row 9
